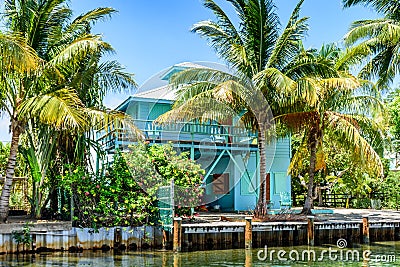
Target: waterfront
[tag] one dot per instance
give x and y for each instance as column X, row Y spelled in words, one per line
column 382, row 254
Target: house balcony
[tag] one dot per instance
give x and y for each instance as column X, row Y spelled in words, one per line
column 183, row 135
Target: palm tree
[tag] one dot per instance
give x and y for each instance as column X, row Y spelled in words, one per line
column 266, row 62
column 341, row 109
column 377, row 41
column 55, row 93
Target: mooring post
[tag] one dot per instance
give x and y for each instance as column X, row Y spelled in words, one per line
column 310, row 230
column 177, row 234
column 365, row 229
column 248, row 262
column 177, row 260
column 164, row 239
column 248, row 233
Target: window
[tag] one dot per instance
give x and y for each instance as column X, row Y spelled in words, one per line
column 248, row 183
column 280, row 182
column 221, row 184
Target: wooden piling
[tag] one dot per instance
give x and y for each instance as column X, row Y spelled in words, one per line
column 164, row 239
column 177, row 239
column 365, row 229
column 310, row 230
column 117, row 237
column 248, row 234
column 249, row 258
column 177, row 260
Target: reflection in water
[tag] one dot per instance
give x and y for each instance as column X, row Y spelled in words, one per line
column 386, row 251
column 249, row 258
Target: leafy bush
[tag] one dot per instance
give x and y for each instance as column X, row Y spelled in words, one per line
column 110, row 199
column 164, row 164
column 360, row 203
column 126, row 193
column 390, row 187
column 23, row 236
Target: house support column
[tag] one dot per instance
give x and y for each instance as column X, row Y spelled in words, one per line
column 177, row 239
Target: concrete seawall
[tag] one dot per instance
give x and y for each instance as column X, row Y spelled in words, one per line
column 62, row 236
column 231, row 235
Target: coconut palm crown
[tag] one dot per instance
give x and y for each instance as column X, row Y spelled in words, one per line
column 375, row 42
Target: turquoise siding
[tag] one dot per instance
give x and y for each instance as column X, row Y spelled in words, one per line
column 279, row 180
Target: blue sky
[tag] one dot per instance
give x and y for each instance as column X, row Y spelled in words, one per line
column 150, row 36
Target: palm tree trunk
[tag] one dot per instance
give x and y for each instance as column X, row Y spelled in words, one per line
column 311, row 172
column 261, row 209
column 5, row 193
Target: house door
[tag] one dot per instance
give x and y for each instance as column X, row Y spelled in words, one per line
column 223, row 191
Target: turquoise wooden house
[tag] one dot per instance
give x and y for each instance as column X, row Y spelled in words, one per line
column 227, row 152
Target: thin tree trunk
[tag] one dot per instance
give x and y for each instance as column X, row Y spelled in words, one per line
column 311, row 172
column 5, row 193
column 261, row 209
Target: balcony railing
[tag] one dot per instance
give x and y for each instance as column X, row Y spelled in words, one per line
column 180, row 132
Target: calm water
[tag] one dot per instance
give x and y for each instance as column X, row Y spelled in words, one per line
column 382, row 254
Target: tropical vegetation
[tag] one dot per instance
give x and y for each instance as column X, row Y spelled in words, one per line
column 376, row 41
column 54, row 93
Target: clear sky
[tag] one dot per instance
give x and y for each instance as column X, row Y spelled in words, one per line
column 150, row 36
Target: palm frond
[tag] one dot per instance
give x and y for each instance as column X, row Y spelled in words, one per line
column 16, row 55
column 60, row 109
column 111, row 77
column 274, row 79
column 382, row 6
column 200, row 108
column 289, row 42
column 366, row 29
column 297, row 121
column 261, row 32
column 84, row 22
column 105, row 120
column 79, row 49
column 227, row 46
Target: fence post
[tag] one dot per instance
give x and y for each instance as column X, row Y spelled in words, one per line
column 164, row 239
column 248, row 233
column 334, row 200
column 310, row 230
column 177, row 234
column 365, row 229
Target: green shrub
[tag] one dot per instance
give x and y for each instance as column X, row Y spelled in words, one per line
column 125, row 194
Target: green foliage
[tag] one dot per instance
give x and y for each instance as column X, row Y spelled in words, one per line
column 109, row 200
column 23, row 236
column 343, row 172
column 360, row 203
column 126, row 194
column 55, row 75
column 394, row 113
column 4, row 154
column 164, row 164
column 390, row 187
column 374, row 42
